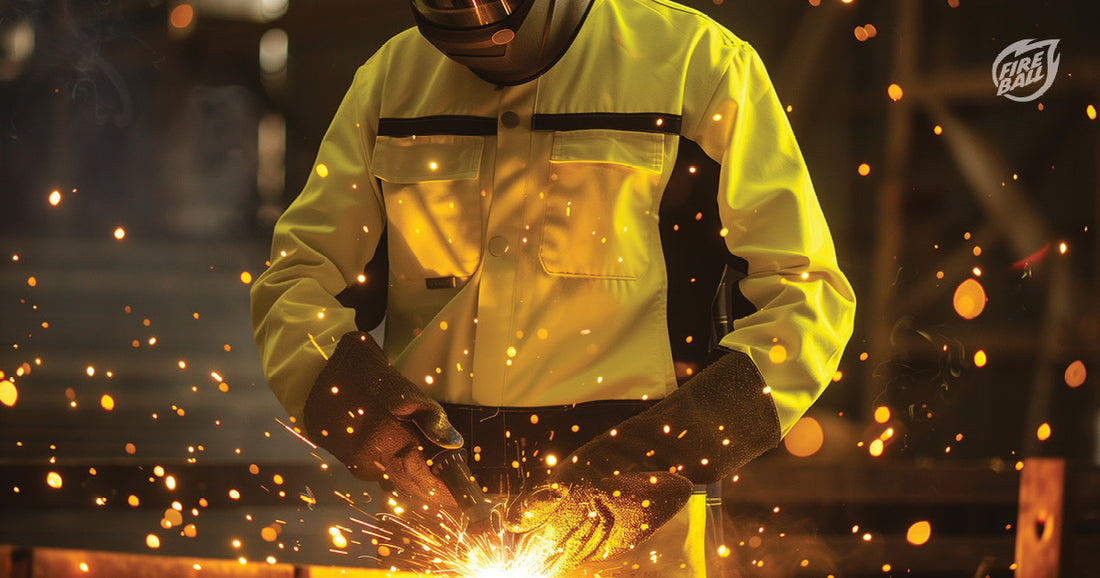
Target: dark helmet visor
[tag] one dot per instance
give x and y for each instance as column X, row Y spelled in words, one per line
column 465, row 14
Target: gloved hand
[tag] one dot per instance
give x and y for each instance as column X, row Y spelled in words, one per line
column 378, row 423
column 594, row 503
column 580, row 520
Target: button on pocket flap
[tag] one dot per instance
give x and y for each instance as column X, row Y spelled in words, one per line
column 641, row 150
column 421, row 159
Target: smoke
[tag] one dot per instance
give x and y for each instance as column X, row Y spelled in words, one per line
column 69, row 40
column 922, row 379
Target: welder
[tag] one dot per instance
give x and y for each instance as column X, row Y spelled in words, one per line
column 551, row 202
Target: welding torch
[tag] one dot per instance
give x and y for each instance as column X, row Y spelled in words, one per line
column 451, row 468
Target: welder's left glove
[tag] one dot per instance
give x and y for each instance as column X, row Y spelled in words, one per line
column 628, row 481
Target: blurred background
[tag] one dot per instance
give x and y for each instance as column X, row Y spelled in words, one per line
column 147, row 146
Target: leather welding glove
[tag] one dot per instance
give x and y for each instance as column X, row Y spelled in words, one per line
column 715, row 423
column 378, row 423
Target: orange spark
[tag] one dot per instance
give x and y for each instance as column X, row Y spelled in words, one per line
column 1043, row 433
column 919, row 533
column 1075, row 374
column 8, row 393
column 969, row 299
column 894, row 92
column 805, row 438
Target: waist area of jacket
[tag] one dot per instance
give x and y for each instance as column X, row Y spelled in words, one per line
column 510, row 448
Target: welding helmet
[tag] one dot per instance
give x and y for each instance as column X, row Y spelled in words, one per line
column 503, row 41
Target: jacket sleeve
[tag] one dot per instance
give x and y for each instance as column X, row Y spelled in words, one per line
column 320, row 246
column 771, row 219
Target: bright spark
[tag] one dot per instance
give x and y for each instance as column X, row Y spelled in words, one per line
column 437, row 544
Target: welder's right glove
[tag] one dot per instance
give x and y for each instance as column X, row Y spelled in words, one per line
column 614, row 491
column 378, row 423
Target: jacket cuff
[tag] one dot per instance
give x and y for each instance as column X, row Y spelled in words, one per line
column 331, row 417
column 716, row 422
column 746, row 414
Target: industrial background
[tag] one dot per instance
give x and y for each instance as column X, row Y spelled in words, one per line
column 147, row 146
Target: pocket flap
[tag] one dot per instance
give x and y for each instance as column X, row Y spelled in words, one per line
column 421, row 159
column 641, row 150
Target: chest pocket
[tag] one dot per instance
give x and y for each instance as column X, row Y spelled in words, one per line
column 600, row 216
column 432, row 192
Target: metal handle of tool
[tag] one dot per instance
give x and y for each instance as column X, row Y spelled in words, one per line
column 451, row 468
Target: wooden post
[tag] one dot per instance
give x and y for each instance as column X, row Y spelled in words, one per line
column 889, row 224
column 1040, row 525
column 5, row 561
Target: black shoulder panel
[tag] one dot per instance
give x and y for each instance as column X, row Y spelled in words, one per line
column 696, row 258
column 369, row 297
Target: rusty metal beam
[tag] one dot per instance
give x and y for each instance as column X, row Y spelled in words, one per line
column 59, row 563
column 1040, row 527
column 336, row 572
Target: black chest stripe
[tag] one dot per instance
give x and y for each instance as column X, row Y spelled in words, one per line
column 435, row 125
column 639, row 122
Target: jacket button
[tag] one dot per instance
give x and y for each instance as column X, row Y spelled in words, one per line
column 498, row 246
column 509, row 119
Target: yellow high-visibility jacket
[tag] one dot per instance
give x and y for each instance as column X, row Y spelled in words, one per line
column 560, row 241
